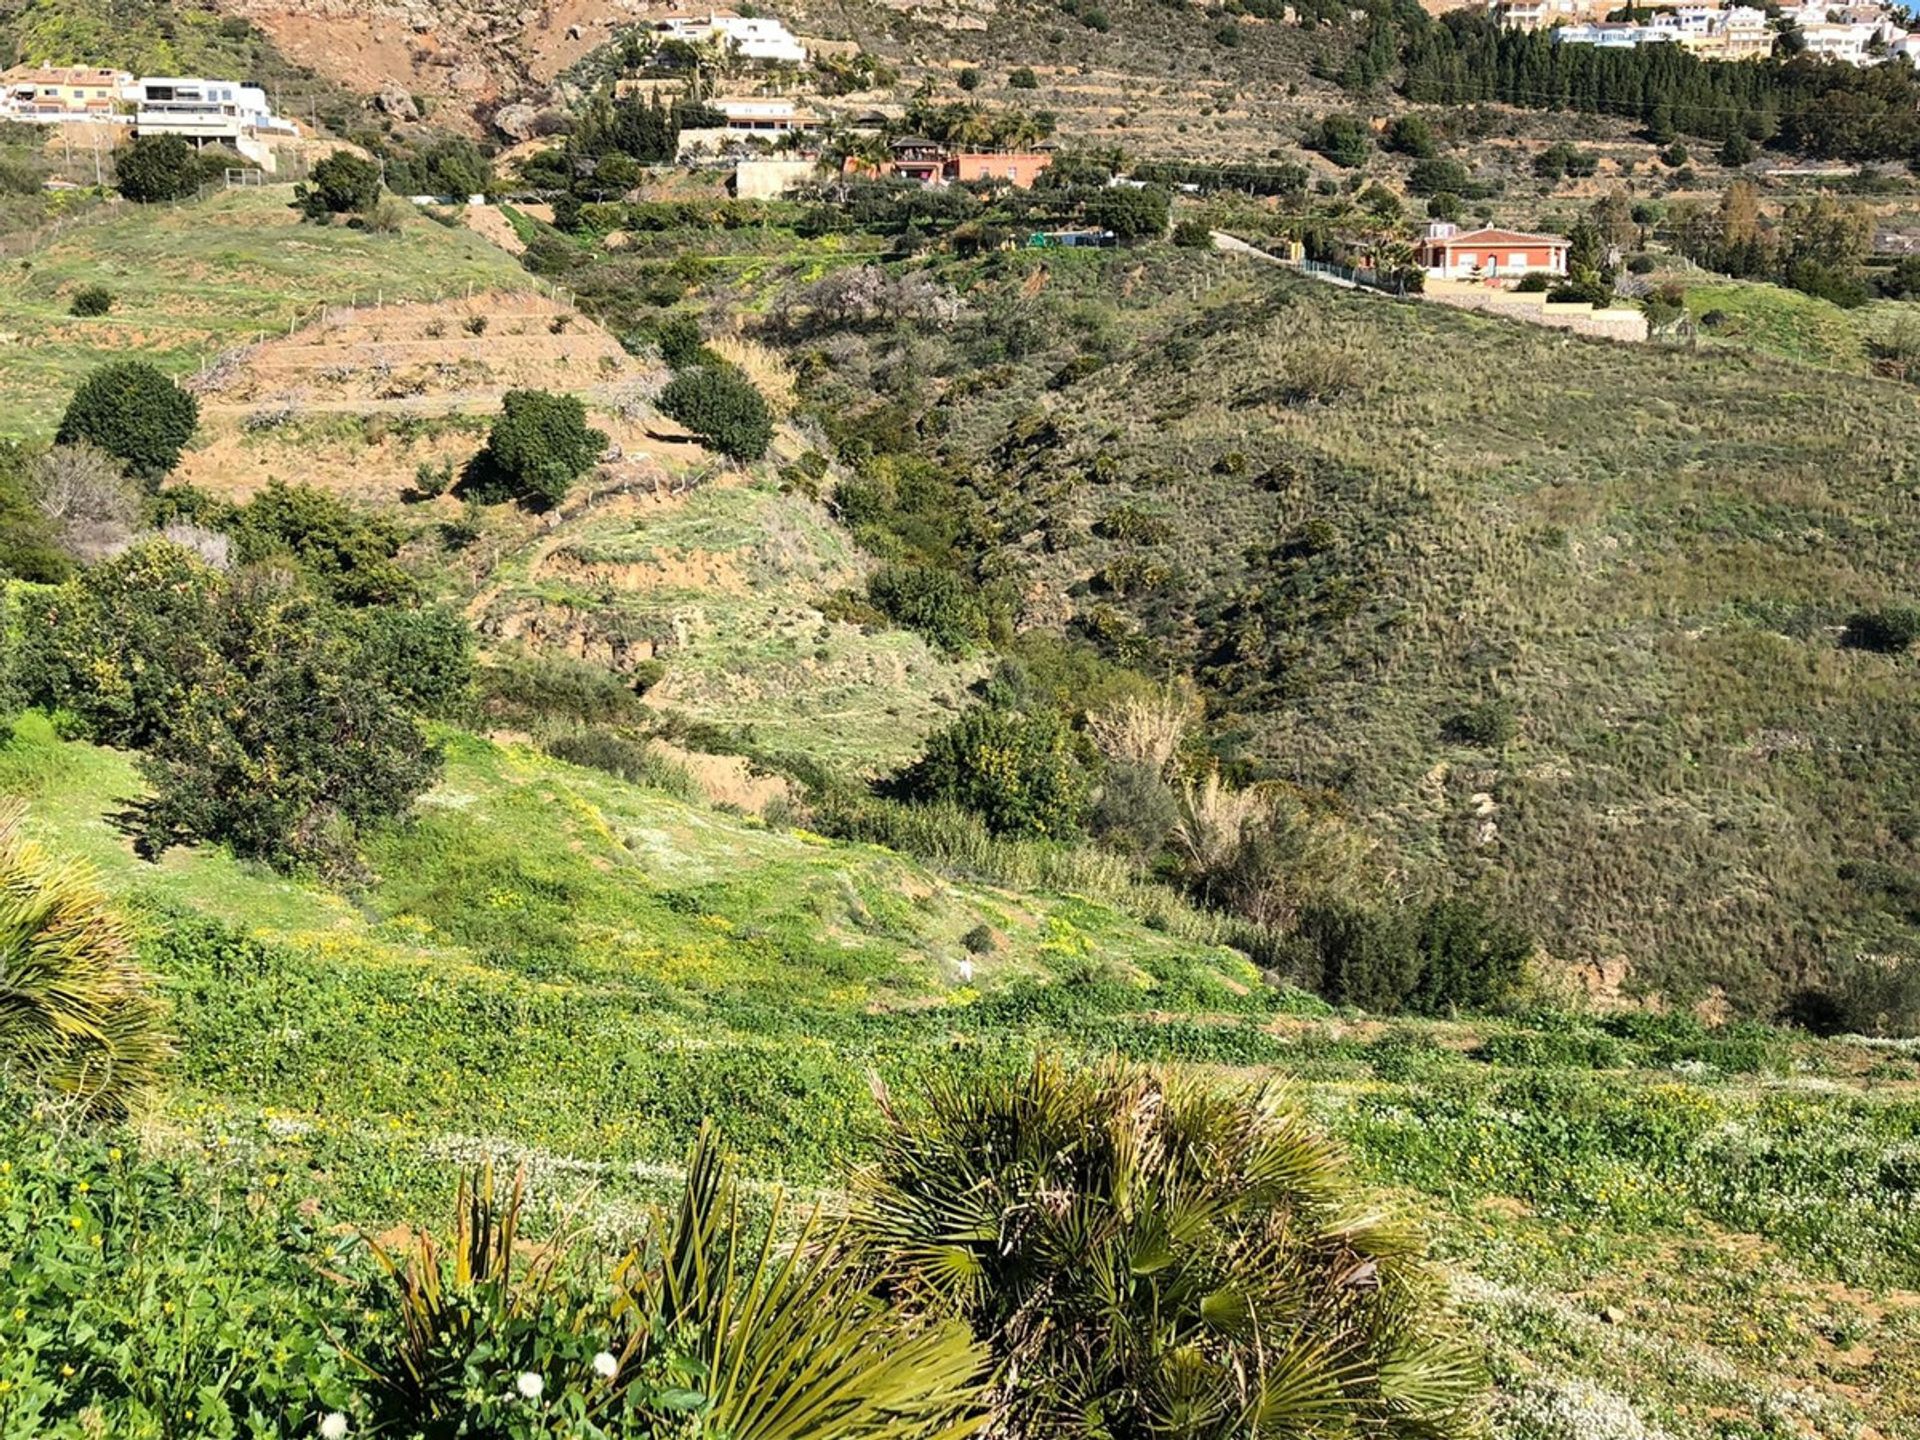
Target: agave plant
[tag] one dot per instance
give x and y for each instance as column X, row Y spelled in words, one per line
column 1152, row 1257
column 77, row 1014
column 710, row 1327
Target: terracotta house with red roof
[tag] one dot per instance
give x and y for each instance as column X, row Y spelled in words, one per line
column 1489, row 253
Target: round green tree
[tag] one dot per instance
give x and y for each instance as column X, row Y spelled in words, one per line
column 722, row 407
column 135, row 414
column 538, row 447
column 343, row 183
column 157, row 167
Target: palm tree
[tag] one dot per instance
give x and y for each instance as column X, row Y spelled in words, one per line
column 1149, row 1257
column 77, row 1014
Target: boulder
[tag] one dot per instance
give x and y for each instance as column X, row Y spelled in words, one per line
column 394, row 101
column 516, row 121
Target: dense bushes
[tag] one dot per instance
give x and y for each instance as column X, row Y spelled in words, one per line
column 1890, row 630
column 91, row 300
column 1016, row 772
column 723, row 408
column 270, row 721
column 937, row 603
column 152, row 168
column 1454, row 954
column 135, row 414
column 341, row 183
column 538, row 447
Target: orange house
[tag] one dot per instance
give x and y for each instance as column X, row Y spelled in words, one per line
column 1018, row 170
column 931, row 163
column 1449, row 253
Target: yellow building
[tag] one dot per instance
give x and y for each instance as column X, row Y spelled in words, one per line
column 70, row 92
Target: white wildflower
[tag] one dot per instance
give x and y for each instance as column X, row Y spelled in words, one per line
column 530, row 1386
column 333, row 1426
column 605, row 1366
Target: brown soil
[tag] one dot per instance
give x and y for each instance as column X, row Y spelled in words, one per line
column 691, row 570
column 471, row 348
column 728, row 779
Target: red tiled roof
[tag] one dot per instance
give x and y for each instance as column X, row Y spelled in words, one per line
column 1498, row 237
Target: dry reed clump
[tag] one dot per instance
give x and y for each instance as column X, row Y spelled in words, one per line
column 1214, row 821
column 1145, row 730
column 766, row 369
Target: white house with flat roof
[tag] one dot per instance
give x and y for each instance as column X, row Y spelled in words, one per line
column 201, row 109
column 764, row 40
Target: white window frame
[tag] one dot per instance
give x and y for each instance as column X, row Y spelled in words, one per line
column 1517, row 259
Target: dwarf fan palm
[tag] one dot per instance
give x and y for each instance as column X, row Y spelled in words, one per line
column 1149, row 1257
column 76, row 1014
column 709, row 1328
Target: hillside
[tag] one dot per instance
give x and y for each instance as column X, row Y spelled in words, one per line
column 1359, row 519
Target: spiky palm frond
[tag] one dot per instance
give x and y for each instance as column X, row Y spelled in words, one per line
column 77, row 1012
column 788, row 1340
column 1156, row 1257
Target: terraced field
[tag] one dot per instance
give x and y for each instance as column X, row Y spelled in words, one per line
column 192, row 281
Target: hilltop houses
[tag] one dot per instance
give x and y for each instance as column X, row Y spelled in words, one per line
column 48, row 94
column 763, row 40
column 201, row 109
column 1851, row 34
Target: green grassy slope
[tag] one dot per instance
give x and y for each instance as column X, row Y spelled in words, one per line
column 1654, row 1226
column 543, row 926
column 192, row 280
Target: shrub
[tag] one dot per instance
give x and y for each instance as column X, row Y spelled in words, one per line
column 341, row 183
column 1139, row 1248
column 681, row 343
column 705, row 1318
column 1439, row 177
column 284, row 745
column 527, row 691
column 154, row 168
column 1490, row 724
column 723, row 408
column 111, row 646
column 1193, row 234
column 635, row 761
column 538, row 447
column 348, row 555
column 423, row 658
column 1318, row 375
column 1016, row 772
column 1412, row 136
column 1023, row 79
column 1534, row 282
column 76, row 1011
column 1470, row 959
column 1346, row 140
column 1890, row 630
column 1131, row 214
column 135, row 414
column 937, row 603
column 91, row 300
column 1134, row 811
